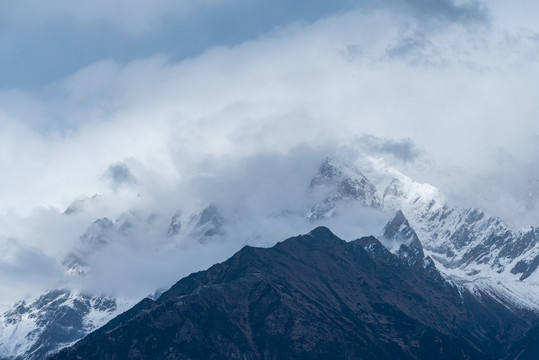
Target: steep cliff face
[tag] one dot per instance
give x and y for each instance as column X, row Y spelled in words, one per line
column 310, row 297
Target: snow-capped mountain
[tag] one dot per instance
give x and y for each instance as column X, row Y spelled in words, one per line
column 33, row 329
column 338, row 182
column 96, row 238
column 470, row 247
column 315, row 296
column 311, row 296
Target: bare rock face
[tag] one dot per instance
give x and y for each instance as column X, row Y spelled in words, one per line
column 210, row 222
column 399, row 236
column 313, row 296
column 175, row 225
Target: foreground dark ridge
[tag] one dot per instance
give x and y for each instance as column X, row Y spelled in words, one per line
column 309, row 297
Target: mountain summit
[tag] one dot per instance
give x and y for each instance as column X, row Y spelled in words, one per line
column 464, row 255
column 313, row 296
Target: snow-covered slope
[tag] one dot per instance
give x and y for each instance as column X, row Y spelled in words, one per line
column 338, row 182
column 470, row 247
column 35, row 328
column 31, row 329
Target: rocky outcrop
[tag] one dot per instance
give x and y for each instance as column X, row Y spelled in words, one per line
column 310, row 297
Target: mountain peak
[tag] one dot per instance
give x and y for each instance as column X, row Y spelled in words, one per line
column 400, row 238
column 337, row 181
column 322, row 232
column 398, row 231
column 36, row 328
column 294, row 301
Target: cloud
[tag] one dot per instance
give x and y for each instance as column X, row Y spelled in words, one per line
column 404, row 150
column 275, row 93
column 44, row 43
column 291, row 86
column 25, row 270
column 505, row 184
column 259, row 200
column 449, row 10
column 262, row 197
column 119, row 174
column 245, row 126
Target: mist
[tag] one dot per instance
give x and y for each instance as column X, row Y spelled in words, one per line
column 443, row 92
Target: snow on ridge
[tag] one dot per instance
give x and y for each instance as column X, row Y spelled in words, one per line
column 427, row 212
column 508, row 290
column 74, row 313
column 469, row 247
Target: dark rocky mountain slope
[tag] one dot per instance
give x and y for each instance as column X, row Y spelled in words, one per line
column 311, row 297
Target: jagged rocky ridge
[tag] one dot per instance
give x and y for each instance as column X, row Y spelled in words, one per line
column 474, row 251
column 471, row 248
column 467, row 238
column 334, row 185
column 30, row 329
column 33, row 330
column 312, row 297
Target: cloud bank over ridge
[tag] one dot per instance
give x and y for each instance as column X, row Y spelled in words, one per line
column 445, row 88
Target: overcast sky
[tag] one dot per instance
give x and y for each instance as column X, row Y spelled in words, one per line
column 133, row 100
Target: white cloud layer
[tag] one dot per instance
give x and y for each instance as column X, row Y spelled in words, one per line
column 253, row 121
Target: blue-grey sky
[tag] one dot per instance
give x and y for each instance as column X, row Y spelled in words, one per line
column 44, row 42
column 41, row 46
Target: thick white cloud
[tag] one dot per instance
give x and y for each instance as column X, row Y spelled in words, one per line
column 251, row 122
column 452, row 94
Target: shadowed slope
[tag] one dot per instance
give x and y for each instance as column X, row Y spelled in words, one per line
column 309, row 297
